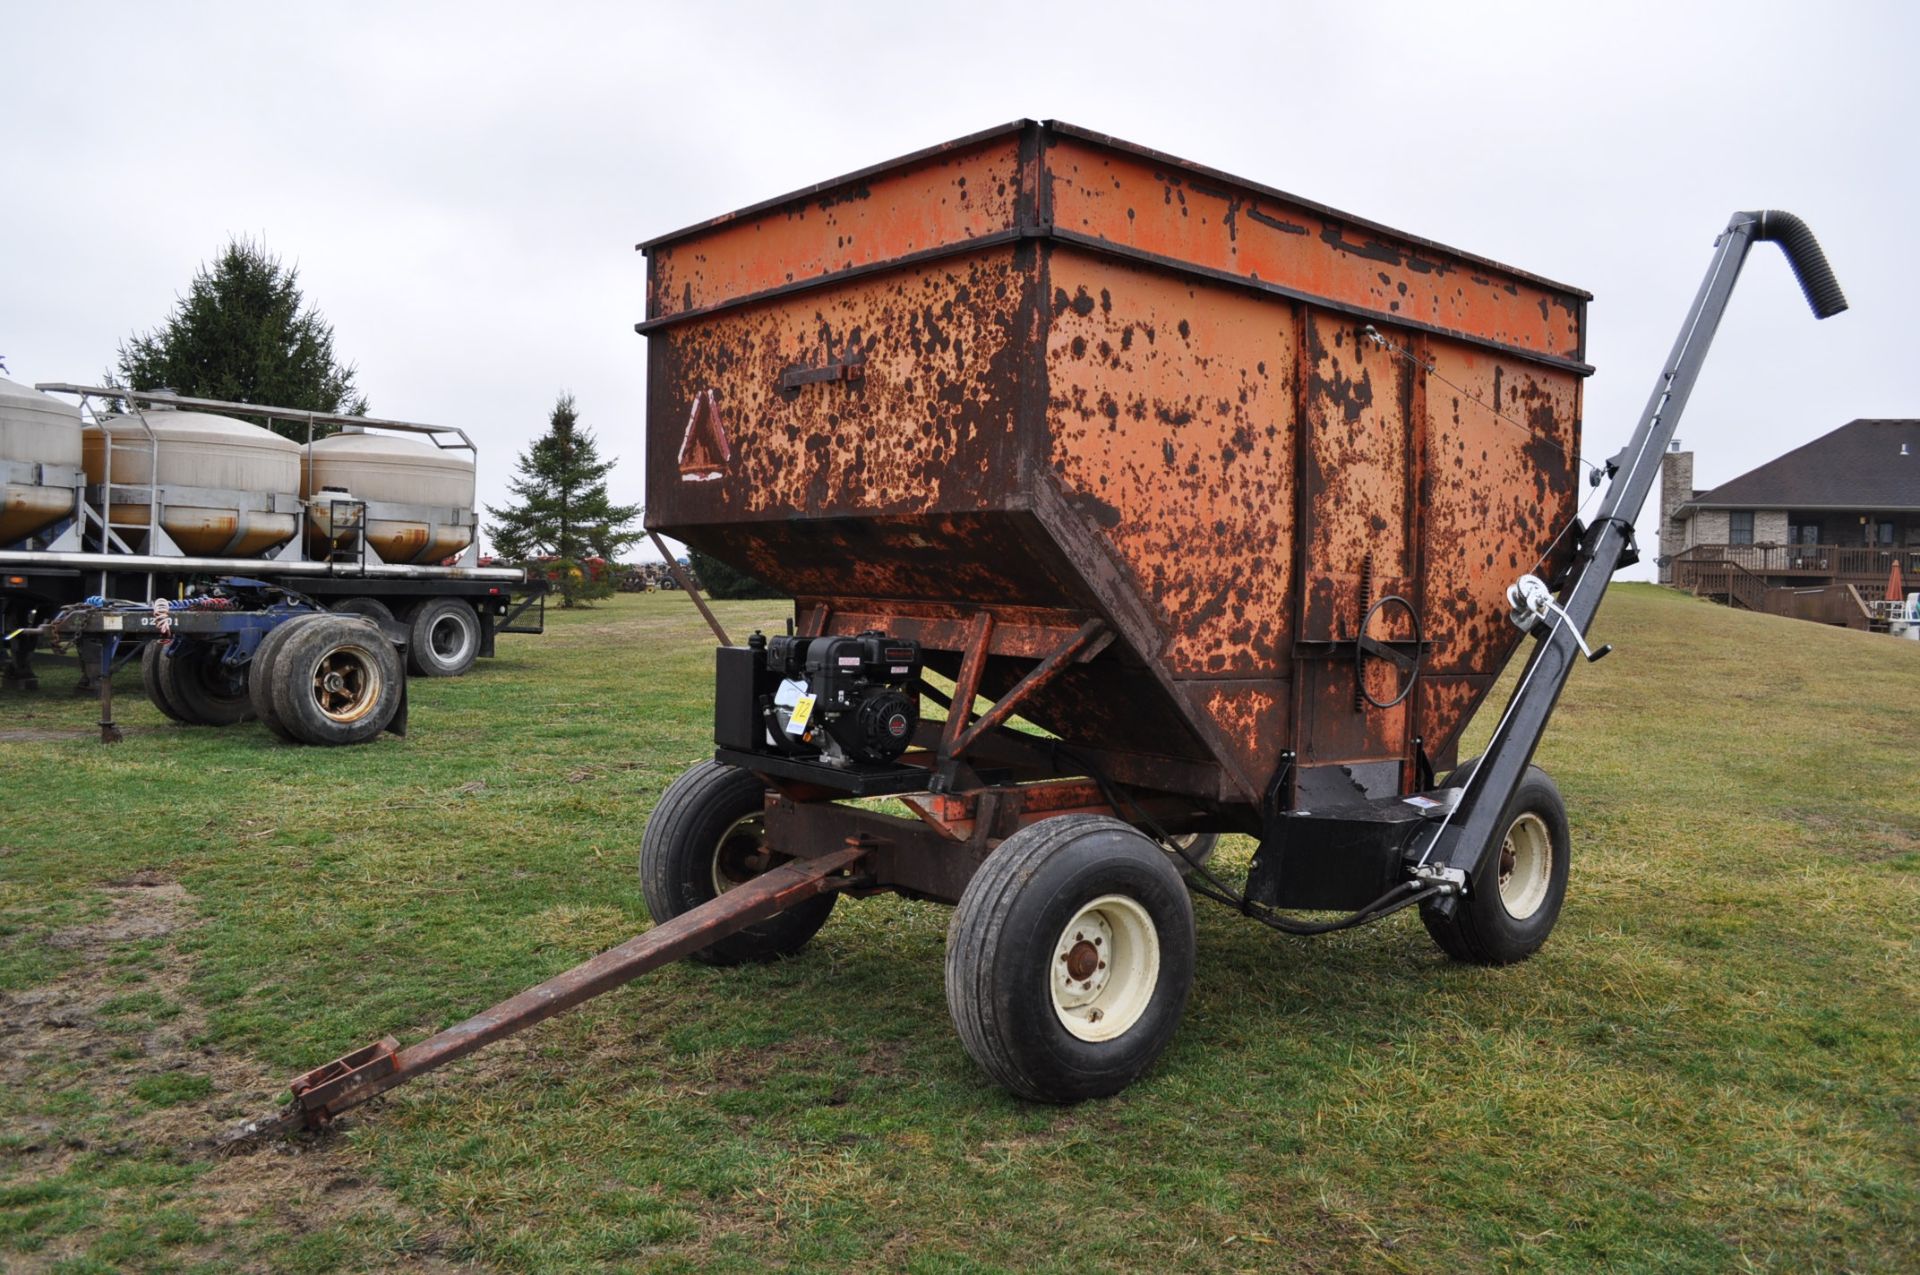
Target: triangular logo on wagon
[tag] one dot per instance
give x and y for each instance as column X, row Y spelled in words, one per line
column 704, row 452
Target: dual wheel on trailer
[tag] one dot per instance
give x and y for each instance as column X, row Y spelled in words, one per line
column 319, row 678
column 1070, row 955
column 341, row 682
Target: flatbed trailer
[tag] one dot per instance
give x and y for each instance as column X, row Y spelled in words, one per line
column 34, row 587
column 453, row 613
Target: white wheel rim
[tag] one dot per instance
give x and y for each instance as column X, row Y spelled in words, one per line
column 1526, row 866
column 1104, row 968
column 449, row 638
column 744, row 839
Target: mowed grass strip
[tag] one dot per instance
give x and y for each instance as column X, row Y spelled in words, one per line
column 1714, row 1064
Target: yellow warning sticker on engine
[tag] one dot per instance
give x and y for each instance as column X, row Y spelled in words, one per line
column 802, row 714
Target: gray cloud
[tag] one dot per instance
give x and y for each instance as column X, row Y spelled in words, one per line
column 462, row 185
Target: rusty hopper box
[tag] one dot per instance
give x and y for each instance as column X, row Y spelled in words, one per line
column 1045, row 375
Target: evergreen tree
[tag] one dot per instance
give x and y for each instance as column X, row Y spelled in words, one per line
column 718, row 580
column 562, row 515
column 244, row 333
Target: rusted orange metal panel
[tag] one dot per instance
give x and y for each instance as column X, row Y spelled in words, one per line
column 1105, row 385
column 1170, row 406
column 1500, row 487
column 1176, row 212
column 963, row 191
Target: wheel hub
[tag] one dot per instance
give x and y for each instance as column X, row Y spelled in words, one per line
column 1526, row 866
column 448, row 638
column 741, row 854
column 1104, row 968
column 346, row 686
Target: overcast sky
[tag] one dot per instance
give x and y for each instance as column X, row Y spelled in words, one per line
column 462, row 185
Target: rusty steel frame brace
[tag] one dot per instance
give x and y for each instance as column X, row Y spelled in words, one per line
column 957, row 736
column 1042, row 673
column 673, row 565
column 321, row 1095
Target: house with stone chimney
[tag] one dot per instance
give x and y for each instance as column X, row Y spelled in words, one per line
column 1803, row 532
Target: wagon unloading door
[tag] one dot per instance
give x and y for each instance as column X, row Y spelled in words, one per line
column 1360, row 442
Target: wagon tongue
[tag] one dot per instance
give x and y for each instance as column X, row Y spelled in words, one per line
column 325, row 1092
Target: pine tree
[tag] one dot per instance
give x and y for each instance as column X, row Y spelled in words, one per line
column 244, row 333
column 721, row 581
column 562, row 515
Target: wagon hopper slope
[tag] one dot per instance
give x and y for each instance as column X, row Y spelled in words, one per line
column 1050, row 377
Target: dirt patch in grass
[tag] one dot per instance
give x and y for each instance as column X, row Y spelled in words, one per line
column 118, row 1025
column 1860, row 838
column 44, row 735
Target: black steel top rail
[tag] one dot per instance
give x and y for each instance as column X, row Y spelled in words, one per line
column 1473, row 830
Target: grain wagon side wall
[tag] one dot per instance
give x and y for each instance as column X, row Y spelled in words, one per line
column 1258, row 470
column 1225, row 447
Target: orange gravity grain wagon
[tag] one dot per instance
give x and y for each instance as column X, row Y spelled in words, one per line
column 1198, row 508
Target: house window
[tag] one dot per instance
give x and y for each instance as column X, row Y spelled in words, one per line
column 1886, row 533
column 1740, row 527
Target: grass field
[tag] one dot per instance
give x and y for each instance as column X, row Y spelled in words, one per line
column 1714, row 1064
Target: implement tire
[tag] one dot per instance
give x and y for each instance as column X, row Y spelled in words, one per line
column 203, row 688
column 371, row 608
column 260, row 679
column 1193, row 850
column 706, row 836
column 1514, row 899
column 150, row 681
column 446, row 638
column 1070, row 958
column 336, row 680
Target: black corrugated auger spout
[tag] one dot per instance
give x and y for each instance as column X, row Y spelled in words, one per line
column 1803, row 254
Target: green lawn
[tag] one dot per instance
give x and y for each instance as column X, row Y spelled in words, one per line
column 1714, row 1064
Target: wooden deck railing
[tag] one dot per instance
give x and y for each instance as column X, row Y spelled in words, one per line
column 1721, row 578
column 1827, row 602
column 1853, row 563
